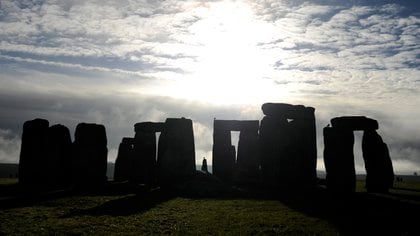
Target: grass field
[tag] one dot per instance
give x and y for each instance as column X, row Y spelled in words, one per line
column 162, row 212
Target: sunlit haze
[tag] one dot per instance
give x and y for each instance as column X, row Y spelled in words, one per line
column 122, row 62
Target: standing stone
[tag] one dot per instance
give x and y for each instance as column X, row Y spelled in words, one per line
column 33, row 158
column 124, row 160
column 273, row 144
column 379, row 170
column 59, row 159
column 143, row 165
column 248, row 160
column 176, row 152
column 90, row 154
column 223, row 153
column 288, row 146
column 339, row 160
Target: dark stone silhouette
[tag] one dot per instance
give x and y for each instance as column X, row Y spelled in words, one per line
column 204, row 166
column 246, row 167
column 33, row 158
column 379, row 170
column 354, row 123
column 124, row 160
column 288, row 146
column 90, row 154
column 176, row 153
column 59, row 159
column 143, row 164
column 339, row 158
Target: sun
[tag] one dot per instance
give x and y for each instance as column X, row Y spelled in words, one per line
column 230, row 65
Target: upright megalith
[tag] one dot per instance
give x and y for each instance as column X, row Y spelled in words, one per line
column 143, row 164
column 123, row 163
column 379, row 170
column 339, row 157
column 223, row 153
column 288, row 146
column 59, row 159
column 228, row 166
column 90, row 154
column 33, row 158
column 176, row 151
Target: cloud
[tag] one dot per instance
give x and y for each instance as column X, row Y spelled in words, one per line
column 123, row 62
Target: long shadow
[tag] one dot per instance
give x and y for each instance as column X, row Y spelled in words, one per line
column 359, row 213
column 129, row 205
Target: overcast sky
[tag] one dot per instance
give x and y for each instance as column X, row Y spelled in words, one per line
column 122, row 62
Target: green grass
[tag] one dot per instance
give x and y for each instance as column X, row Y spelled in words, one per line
column 159, row 213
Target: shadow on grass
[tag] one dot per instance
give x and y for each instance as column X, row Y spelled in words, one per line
column 128, row 205
column 360, row 213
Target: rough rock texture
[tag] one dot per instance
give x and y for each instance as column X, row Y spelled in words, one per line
column 33, row 159
column 59, row 159
column 176, row 152
column 354, row 123
column 90, row 154
column 288, row 146
column 124, row 160
column 339, row 160
column 379, row 170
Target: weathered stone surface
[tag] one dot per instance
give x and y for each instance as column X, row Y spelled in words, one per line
column 90, row 154
column 33, row 159
column 339, row 160
column 354, row 123
column 176, row 153
column 379, row 170
column 283, row 110
column 59, row 159
column 151, row 127
column 123, row 163
column 143, row 165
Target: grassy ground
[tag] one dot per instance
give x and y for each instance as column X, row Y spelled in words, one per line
column 161, row 212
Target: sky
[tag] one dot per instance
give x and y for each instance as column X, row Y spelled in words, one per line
column 121, row 62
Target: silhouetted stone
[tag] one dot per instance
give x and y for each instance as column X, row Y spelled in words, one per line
column 283, row 110
column 90, row 154
column 288, row 146
column 246, row 167
column 149, row 127
column 379, row 171
column 339, row 160
column 124, row 160
column 143, row 165
column 33, row 158
column 176, row 153
column 354, row 123
column 59, row 159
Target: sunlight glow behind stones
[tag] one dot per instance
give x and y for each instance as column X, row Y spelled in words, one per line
column 230, row 65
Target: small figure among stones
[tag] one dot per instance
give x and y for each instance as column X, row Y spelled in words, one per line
column 204, row 165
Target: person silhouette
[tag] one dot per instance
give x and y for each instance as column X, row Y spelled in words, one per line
column 204, row 165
